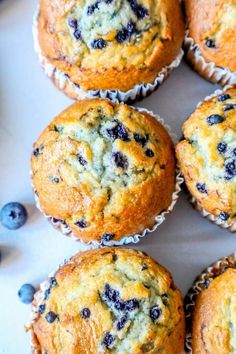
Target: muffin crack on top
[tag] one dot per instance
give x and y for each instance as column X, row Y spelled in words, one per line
column 207, row 155
column 91, row 164
column 105, row 302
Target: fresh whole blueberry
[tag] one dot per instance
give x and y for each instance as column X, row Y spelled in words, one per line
column 222, row 147
column 118, row 132
column 155, row 313
column 108, row 340
column 131, row 305
column 98, row 43
column 201, row 187
column 140, row 139
column 85, row 313
column 42, row 308
column 223, row 97
column 215, row 119
column 26, row 293
column 13, row 215
column 210, row 43
column 149, row 153
column 229, row 107
column 223, row 215
column 81, row 160
column 81, row 223
column 107, row 237
column 121, row 323
column 51, row 317
column 120, row 160
column 73, row 23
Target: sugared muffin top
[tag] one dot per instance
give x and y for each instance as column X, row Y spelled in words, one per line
column 214, row 318
column 105, row 169
column 110, row 300
column 207, row 155
column 110, row 44
column 212, row 25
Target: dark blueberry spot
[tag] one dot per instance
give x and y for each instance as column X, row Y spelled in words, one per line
column 77, row 34
column 201, row 187
column 73, row 23
column 118, row 132
column 85, row 313
column 120, row 160
column 121, row 323
column 58, row 129
column 149, row 153
column 222, row 147
column 107, row 237
column 131, row 28
column 215, row 119
column 139, row 10
column 229, row 107
column 51, row 317
column 42, row 308
column 210, row 43
column 81, row 160
column 165, row 299
column 234, row 152
column 108, row 340
column 98, row 43
column 81, row 223
column 223, row 97
column 36, row 152
column 131, row 305
column 141, row 139
column 92, row 8
column 54, row 179
column 47, row 293
column 119, row 305
column 206, row 283
column 53, row 282
column 108, row 2
column 155, row 312
column 13, row 215
column 144, row 266
column 223, row 215
column 26, row 293
column 111, row 294
column 230, row 169
column 122, row 35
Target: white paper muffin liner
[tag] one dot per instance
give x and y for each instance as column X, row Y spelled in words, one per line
column 201, row 283
column 126, row 239
column 209, row 70
column 137, row 92
column 209, row 216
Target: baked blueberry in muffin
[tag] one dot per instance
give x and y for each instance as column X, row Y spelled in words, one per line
column 104, row 303
column 211, row 39
column 107, row 45
column 207, row 155
column 94, row 175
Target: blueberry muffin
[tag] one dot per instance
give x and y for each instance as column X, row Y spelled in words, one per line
column 105, row 170
column 207, row 155
column 213, row 318
column 110, row 300
column 91, row 45
column 211, row 39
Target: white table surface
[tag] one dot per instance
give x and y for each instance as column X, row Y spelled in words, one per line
column 185, row 243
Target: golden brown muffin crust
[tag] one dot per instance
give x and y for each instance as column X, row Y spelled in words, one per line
column 207, row 155
column 134, row 45
column 104, row 169
column 94, row 291
column 214, row 321
column 212, row 25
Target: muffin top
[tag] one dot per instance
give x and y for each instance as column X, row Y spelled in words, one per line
column 207, row 155
column 110, row 44
column 105, row 169
column 214, row 318
column 212, row 25
column 109, row 300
